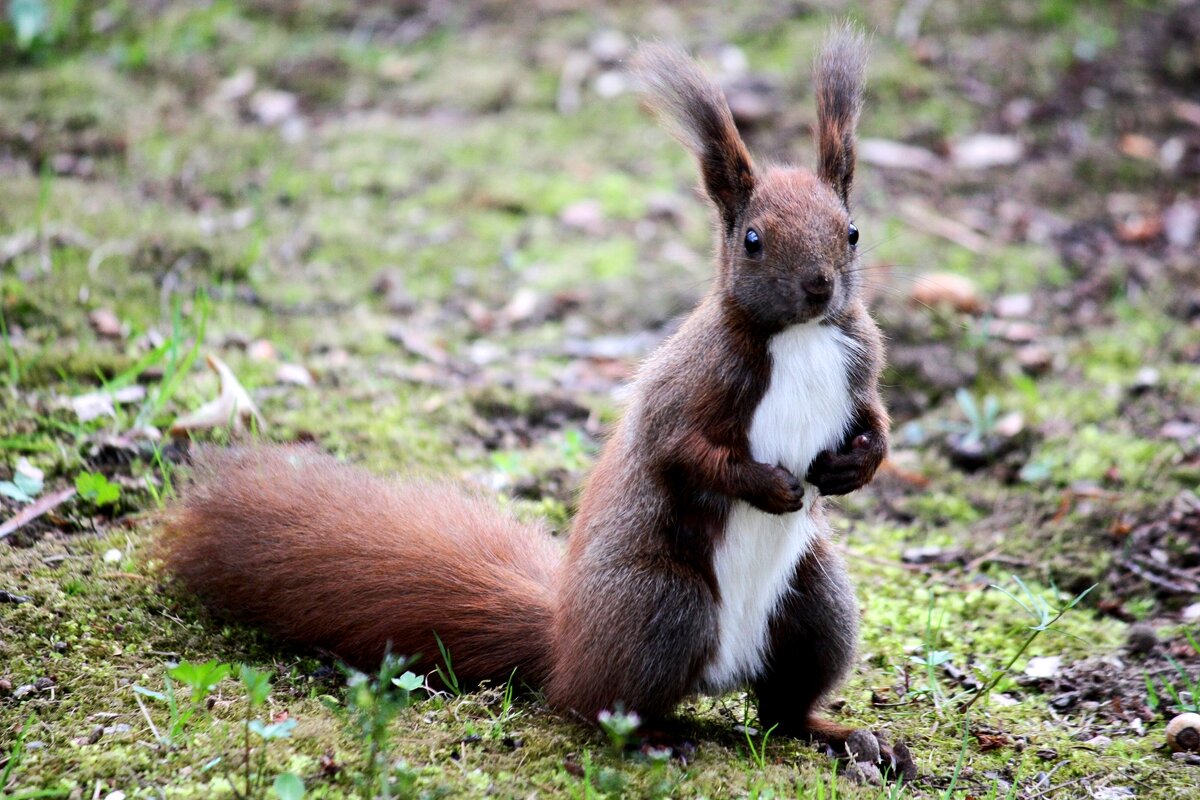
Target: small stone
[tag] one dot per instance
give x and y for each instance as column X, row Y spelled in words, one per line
column 1146, row 378
column 609, row 46
column 864, row 772
column 862, row 746
column 236, row 86
column 586, row 216
column 113, row 556
column 293, row 375
column 105, row 323
column 1181, row 223
column 986, row 150
column 946, row 288
column 22, row 691
column 5, row 686
column 1191, row 613
column 1141, row 638
column 1099, row 741
column 261, row 350
column 1178, row 429
column 1014, row 305
column 273, row 107
column 1010, row 425
column 1043, row 666
column 1035, row 359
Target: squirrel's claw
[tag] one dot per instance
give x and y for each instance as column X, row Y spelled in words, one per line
column 781, row 492
column 840, row 473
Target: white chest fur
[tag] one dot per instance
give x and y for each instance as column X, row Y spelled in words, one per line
column 805, row 410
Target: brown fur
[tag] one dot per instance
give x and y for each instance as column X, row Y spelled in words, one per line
column 324, row 554
column 839, row 81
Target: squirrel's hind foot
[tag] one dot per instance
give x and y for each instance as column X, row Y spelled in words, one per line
column 867, row 754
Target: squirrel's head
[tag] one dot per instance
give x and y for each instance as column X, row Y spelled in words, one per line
column 786, row 240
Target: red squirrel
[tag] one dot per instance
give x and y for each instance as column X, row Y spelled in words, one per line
column 700, row 558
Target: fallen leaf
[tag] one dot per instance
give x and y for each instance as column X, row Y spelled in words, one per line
column 89, row 406
column 232, row 405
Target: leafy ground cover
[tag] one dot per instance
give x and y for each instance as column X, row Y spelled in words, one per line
column 438, row 237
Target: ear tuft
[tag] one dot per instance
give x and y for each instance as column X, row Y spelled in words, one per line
column 694, row 109
column 838, row 78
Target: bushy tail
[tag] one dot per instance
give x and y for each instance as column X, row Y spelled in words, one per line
column 325, row 554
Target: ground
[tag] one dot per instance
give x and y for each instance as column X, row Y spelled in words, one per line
column 439, row 237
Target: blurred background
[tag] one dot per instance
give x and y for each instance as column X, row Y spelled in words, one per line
column 442, row 235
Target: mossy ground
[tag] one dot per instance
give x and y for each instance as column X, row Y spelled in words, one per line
column 427, row 147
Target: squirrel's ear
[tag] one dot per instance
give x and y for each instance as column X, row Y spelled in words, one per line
column 838, row 78
column 693, row 107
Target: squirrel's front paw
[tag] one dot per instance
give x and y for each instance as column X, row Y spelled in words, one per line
column 780, row 492
column 842, row 473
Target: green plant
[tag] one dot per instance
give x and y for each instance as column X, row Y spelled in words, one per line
column 932, row 657
column 506, row 713
column 166, row 475
column 14, row 754
column 620, row 727
column 447, row 676
column 11, row 362
column 981, row 418
column 962, row 756
column 26, row 483
column 201, row 678
column 758, row 754
column 178, row 361
column 96, row 488
column 1043, row 614
column 1154, row 698
column 372, row 703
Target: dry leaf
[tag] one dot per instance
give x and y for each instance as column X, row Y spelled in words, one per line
column 232, row 405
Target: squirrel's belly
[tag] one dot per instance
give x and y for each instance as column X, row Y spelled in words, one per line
column 806, row 409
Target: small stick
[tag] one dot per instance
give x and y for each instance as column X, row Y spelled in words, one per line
column 32, row 512
column 157, row 736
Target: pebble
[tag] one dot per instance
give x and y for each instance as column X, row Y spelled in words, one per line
column 946, row 288
column 863, row 746
column 1014, row 305
column 105, row 323
column 1141, row 638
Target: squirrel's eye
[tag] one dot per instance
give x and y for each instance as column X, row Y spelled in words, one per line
column 852, row 237
column 753, row 242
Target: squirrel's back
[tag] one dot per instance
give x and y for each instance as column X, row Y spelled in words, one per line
column 325, row 554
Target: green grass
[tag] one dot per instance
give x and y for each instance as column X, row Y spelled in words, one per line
column 444, row 161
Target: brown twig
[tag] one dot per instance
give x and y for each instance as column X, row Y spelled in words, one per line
column 35, row 510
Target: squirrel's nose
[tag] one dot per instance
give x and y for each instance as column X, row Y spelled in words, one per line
column 818, row 286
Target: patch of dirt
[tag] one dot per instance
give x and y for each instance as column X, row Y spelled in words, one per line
column 1160, row 555
column 1110, row 691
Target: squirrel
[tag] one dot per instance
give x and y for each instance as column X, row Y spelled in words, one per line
column 699, row 560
